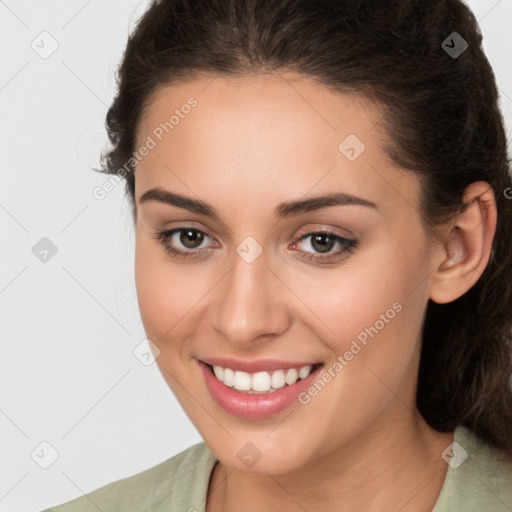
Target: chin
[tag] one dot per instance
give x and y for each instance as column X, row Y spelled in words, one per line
column 258, row 454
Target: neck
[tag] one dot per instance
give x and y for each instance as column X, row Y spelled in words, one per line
column 381, row 468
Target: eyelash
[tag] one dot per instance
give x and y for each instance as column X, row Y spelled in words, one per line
column 349, row 245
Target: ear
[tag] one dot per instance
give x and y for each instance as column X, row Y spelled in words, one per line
column 467, row 242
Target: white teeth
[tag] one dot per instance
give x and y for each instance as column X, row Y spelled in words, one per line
column 229, row 377
column 260, row 382
column 304, row 371
column 291, row 376
column 278, row 379
column 242, row 381
column 219, row 372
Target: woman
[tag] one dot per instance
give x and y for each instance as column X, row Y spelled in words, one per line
column 321, row 194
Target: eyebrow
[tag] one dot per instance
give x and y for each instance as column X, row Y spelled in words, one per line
column 283, row 210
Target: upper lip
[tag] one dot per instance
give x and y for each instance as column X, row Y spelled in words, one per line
column 261, row 365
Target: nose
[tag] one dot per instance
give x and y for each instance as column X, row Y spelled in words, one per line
column 251, row 303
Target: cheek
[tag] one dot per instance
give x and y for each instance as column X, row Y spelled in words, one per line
column 374, row 331
column 159, row 294
column 371, row 308
column 170, row 297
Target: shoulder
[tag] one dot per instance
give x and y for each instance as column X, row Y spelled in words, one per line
column 479, row 477
column 178, row 483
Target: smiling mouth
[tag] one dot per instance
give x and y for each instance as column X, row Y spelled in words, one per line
column 261, row 382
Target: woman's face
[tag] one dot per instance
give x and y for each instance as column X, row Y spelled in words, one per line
column 268, row 285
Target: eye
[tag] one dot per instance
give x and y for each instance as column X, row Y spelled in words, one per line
column 323, row 242
column 190, row 240
column 187, row 242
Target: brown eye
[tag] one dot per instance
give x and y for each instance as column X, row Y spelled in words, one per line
column 184, row 242
column 191, row 238
column 322, row 242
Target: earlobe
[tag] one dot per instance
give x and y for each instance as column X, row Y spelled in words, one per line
column 466, row 250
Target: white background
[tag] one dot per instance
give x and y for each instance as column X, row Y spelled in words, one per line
column 68, row 327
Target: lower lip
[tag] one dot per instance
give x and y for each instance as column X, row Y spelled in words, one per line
column 257, row 406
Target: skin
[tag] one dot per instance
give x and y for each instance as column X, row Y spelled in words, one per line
column 250, row 144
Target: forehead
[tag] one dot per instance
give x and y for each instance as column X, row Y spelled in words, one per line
column 280, row 98
column 282, row 133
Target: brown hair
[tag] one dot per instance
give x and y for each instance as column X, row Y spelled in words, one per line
column 443, row 123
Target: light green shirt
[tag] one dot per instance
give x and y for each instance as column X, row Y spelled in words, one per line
column 482, row 482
